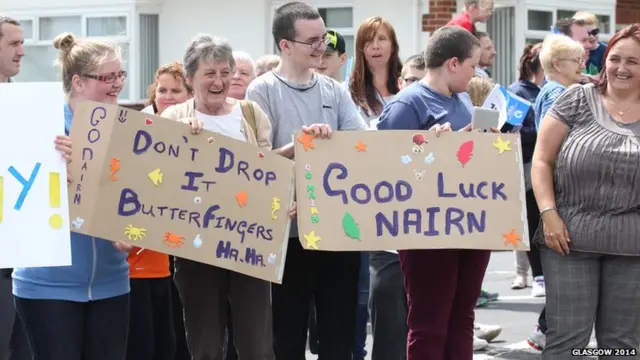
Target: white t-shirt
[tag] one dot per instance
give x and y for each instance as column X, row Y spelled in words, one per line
column 228, row 125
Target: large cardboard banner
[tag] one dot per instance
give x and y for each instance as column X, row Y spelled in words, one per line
column 34, row 212
column 396, row 190
column 149, row 182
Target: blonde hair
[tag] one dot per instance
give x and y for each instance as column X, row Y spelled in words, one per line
column 586, row 17
column 478, row 89
column 557, row 46
column 177, row 71
column 266, row 63
column 82, row 56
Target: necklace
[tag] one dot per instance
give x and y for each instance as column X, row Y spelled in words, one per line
column 618, row 111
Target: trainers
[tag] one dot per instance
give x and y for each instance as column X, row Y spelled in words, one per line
column 489, row 296
column 537, row 288
column 519, row 283
column 481, row 302
column 537, row 339
column 479, row 344
column 486, row 332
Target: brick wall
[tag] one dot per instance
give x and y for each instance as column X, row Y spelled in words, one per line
column 440, row 12
column 627, row 11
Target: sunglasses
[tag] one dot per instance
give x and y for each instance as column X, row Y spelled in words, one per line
column 594, row 32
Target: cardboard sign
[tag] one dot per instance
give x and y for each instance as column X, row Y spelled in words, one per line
column 396, row 190
column 34, row 215
column 149, row 182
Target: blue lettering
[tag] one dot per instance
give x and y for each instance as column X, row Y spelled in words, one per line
column 141, row 135
column 416, row 222
column 93, row 135
column 192, row 176
column 128, row 197
column 441, row 192
column 227, row 160
column 453, row 216
column 26, row 184
column 390, row 226
column 474, row 224
column 402, row 192
column 431, row 229
column 92, row 120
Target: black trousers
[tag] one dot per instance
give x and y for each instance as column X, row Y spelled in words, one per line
column 151, row 332
column 331, row 279
column 533, row 219
column 67, row 330
column 182, row 349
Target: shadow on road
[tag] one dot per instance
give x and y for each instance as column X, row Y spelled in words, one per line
column 514, row 306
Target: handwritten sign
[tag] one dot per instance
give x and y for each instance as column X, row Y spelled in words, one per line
column 34, row 220
column 149, row 182
column 396, row 190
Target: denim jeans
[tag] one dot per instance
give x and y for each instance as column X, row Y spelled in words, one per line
column 68, row 330
column 362, row 312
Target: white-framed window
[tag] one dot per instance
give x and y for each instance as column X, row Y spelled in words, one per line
column 340, row 19
column 539, row 21
column 40, row 30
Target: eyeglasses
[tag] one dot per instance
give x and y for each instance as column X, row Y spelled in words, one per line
column 316, row 45
column 578, row 61
column 109, row 78
column 594, row 32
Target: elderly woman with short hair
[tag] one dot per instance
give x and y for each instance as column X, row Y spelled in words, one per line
column 207, row 290
column 244, row 73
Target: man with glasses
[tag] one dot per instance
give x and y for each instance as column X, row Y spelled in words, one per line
column 294, row 95
column 474, row 11
column 13, row 342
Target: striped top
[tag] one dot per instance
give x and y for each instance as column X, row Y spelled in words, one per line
column 597, row 175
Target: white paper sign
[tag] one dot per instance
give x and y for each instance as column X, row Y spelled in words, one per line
column 34, row 208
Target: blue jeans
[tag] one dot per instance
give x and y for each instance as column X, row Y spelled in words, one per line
column 362, row 312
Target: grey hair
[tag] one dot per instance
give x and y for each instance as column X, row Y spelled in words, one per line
column 7, row 20
column 266, row 63
column 243, row 55
column 205, row 48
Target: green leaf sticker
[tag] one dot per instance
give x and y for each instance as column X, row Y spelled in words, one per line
column 312, row 195
column 315, row 219
column 311, row 188
column 350, row 227
column 308, row 175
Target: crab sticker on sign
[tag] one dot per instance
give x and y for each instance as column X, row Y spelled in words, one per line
column 149, row 182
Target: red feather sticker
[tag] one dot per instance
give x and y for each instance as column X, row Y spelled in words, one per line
column 465, row 152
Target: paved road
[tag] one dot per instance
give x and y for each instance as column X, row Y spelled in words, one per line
column 516, row 311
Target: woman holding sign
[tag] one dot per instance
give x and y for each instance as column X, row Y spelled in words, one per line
column 440, row 327
column 205, row 290
column 82, row 311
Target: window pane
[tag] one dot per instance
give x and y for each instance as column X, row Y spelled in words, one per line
column 539, row 20
column 107, row 26
column 564, row 14
column 124, row 94
column 52, row 26
column 604, row 23
column 27, row 28
column 337, row 17
column 38, row 64
column 530, row 41
column 350, row 46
